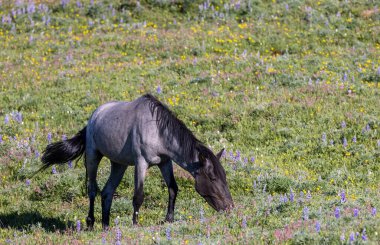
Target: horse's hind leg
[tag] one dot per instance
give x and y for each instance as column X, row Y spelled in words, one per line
column 167, row 172
column 92, row 161
column 117, row 173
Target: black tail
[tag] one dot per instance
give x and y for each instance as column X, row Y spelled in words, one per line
column 64, row 151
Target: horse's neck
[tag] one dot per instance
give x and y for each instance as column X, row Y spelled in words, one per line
column 177, row 156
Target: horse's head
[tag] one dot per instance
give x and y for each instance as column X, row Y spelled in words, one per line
column 210, row 181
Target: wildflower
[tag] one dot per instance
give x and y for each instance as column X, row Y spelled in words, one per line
column 356, row 212
column 337, row 212
column 37, row 154
column 49, row 138
column 244, row 223
column 254, row 184
column 104, row 241
column 253, row 158
column 291, row 195
column 27, row 182
column 308, row 195
column 64, row 137
column 1, row 139
column 118, row 235
column 364, row 235
column 342, row 197
column 318, row 227
column 168, row 236
column 324, row 139
column 306, row 213
column 378, row 143
column 286, row 7
column 31, row 39
column 331, row 142
column 352, row 237
column 345, row 142
column 78, row 225
column 79, row 4
column 117, row 220
column 201, row 213
column 70, row 163
column 342, row 237
column 343, row 124
column 345, row 77
column 354, row 139
column 53, row 170
column 373, row 211
column 159, row 90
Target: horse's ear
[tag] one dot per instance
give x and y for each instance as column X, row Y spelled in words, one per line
column 207, row 167
column 219, row 155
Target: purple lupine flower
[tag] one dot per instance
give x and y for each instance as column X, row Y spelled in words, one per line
column 356, row 212
column 70, row 164
column 53, row 170
column 343, row 197
column 342, row 237
column 345, row 77
column 306, row 213
column 121, row 20
column 337, row 212
column 364, row 235
column 378, row 143
column 116, row 220
column 354, row 139
column 65, row 2
column 318, row 227
column 324, row 141
column 367, row 127
column 37, row 154
column 104, row 241
column 168, row 234
column 237, row 155
column 254, row 184
column 159, row 90
column 343, row 124
column 201, row 213
column 244, row 223
column 195, row 61
column 352, row 237
column 308, row 195
column 291, row 195
column 252, row 159
column 6, row 119
column 331, row 142
column 49, row 137
column 286, row 7
column 27, row 182
column 1, row 139
column 118, row 235
column 345, row 144
column 17, row 116
column 64, row 137
column 78, row 225
column 373, row 211
column 79, row 4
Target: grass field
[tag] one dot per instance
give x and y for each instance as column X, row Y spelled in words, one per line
column 291, row 89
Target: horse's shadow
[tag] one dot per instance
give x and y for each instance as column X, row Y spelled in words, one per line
column 24, row 221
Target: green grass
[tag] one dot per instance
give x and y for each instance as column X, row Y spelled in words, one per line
column 262, row 79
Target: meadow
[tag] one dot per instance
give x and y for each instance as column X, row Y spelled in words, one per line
column 291, row 89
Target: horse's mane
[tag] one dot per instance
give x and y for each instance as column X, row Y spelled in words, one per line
column 166, row 120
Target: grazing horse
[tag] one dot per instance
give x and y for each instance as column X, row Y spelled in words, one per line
column 141, row 133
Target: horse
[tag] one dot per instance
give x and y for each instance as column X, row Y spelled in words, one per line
column 141, row 133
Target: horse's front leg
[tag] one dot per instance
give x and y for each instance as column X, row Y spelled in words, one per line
column 138, row 197
column 117, row 173
column 167, row 172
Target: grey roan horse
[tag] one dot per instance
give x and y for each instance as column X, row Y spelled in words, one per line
column 143, row 132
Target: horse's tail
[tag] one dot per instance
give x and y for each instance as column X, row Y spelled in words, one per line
column 63, row 151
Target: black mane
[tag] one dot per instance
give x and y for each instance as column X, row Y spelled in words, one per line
column 166, row 120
